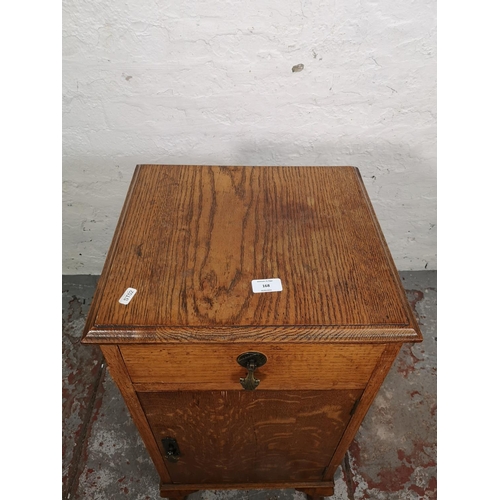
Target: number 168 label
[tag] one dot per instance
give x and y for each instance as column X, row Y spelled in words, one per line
column 268, row 285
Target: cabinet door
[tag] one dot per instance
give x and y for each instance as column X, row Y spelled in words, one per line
column 249, row 436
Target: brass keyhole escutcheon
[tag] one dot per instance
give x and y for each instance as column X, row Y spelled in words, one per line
column 251, row 361
column 172, row 451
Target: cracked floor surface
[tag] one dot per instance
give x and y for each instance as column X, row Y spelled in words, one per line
column 392, row 457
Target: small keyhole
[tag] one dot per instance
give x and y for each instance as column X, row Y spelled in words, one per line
column 171, row 447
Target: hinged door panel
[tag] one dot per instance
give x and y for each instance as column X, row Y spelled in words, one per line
column 248, row 436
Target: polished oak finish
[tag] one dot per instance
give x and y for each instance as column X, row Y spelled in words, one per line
column 190, row 239
column 289, row 366
column 250, row 436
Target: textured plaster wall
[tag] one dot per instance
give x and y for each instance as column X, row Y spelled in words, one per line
column 211, row 82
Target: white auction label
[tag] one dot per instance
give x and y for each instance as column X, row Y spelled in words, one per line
column 127, row 296
column 269, row 285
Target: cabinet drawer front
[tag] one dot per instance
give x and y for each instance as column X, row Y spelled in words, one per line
column 288, row 366
column 247, row 437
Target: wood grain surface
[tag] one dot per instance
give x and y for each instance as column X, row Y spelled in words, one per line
column 244, row 334
column 214, row 366
column 249, row 436
column 193, row 238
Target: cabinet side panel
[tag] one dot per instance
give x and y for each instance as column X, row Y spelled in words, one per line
column 374, row 384
column 120, row 375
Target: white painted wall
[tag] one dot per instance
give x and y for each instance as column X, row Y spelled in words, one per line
column 211, row 82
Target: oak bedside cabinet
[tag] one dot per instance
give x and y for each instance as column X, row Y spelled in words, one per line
column 249, row 316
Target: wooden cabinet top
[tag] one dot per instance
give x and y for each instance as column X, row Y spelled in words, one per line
column 190, row 240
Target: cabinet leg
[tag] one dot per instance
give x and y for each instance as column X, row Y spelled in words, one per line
column 176, row 495
column 317, row 493
column 311, row 493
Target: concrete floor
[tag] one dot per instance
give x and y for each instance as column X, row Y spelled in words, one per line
column 393, row 455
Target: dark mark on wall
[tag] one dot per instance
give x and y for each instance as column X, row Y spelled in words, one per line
column 297, row 68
